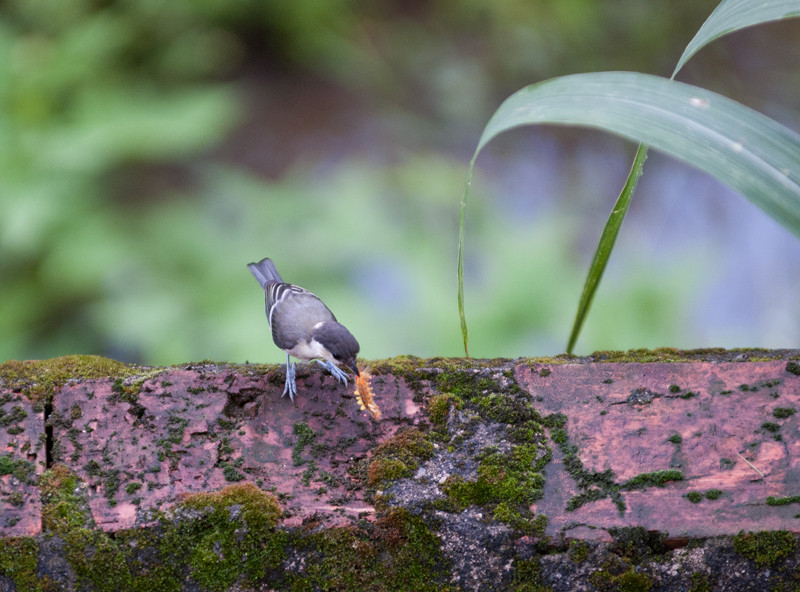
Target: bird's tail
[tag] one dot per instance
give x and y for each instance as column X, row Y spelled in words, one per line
column 265, row 271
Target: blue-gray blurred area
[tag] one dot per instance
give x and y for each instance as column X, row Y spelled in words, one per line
column 149, row 150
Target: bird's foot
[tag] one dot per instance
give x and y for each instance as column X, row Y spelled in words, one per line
column 337, row 373
column 290, row 387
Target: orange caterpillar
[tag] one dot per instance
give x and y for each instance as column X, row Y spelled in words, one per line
column 364, row 395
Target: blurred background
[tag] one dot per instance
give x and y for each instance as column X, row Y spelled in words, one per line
column 149, row 150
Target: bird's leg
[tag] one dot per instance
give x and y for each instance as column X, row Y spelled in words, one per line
column 290, row 387
column 333, row 369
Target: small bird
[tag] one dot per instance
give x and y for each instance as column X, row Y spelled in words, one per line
column 303, row 326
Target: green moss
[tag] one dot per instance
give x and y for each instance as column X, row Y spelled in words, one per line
column 464, row 385
column 783, row 501
column 793, row 367
column 111, row 483
column 766, row 548
column 628, row 581
column 594, row 495
column 672, row 355
column 520, row 519
column 700, row 583
column 713, row 494
column 579, row 551
column 675, row 438
column 220, row 538
column 16, row 415
column 39, row 379
column 507, row 409
column 388, row 469
column 398, row 553
column 439, row 408
column 398, row 456
column 597, row 486
column 415, row 371
column 22, row 469
column 506, row 484
column 555, row 420
column 694, row 496
column 215, row 541
column 396, row 366
column 230, row 473
column 656, row 478
column 176, row 426
column 512, row 478
column 528, row 576
column 15, row 498
column 18, row 562
column 235, row 533
column 770, row 426
column 594, row 485
column 64, row 508
column 97, row 560
column 305, row 436
column 132, row 487
column 635, row 543
column 602, row 580
column 662, row 355
column 91, row 554
column 783, row 412
column 634, row 581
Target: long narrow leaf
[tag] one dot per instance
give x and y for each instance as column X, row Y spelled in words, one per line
column 461, row 314
column 606, row 245
column 739, row 146
column 742, row 148
column 729, row 16
column 734, row 15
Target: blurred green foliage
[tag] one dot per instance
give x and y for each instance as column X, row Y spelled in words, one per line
column 88, row 88
column 128, row 214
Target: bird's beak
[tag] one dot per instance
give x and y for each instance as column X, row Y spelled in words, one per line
column 352, row 365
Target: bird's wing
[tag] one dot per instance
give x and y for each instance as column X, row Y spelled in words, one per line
column 292, row 312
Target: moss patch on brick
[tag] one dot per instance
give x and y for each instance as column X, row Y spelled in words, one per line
column 766, row 548
column 18, row 562
column 398, row 552
column 39, row 379
column 398, row 456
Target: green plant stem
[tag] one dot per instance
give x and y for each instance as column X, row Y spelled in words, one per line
column 461, row 314
column 606, row 245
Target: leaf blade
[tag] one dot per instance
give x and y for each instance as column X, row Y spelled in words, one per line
column 606, row 245
column 740, row 147
column 734, row 15
column 752, row 153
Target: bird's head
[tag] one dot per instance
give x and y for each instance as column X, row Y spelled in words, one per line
column 339, row 342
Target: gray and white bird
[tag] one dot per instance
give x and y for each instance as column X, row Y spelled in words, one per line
column 303, row 326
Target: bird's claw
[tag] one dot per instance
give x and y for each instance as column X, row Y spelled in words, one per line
column 337, row 373
column 290, row 387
